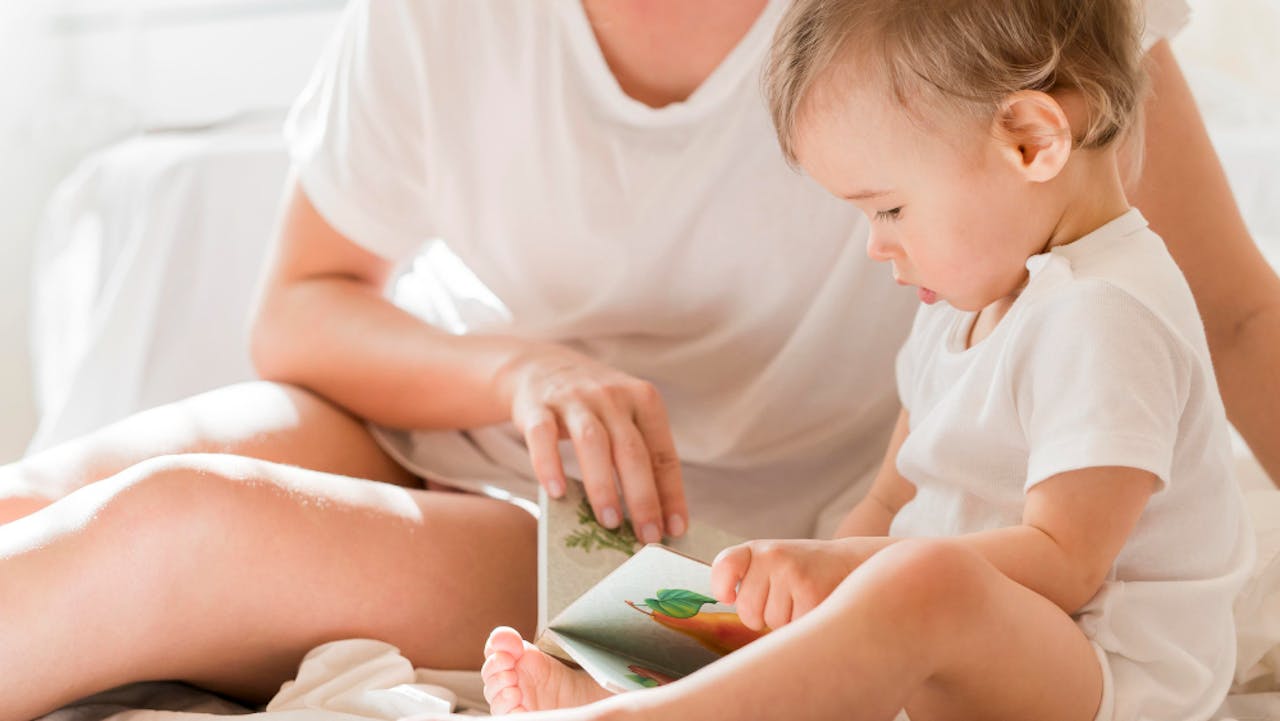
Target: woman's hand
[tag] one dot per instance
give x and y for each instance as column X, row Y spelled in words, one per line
column 618, row 425
column 773, row 583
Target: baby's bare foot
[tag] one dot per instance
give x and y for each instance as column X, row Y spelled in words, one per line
column 519, row 677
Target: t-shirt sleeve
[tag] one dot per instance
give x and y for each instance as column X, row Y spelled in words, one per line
column 1164, row 18
column 1098, row 380
column 356, row 134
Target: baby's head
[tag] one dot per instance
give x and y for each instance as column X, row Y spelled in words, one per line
column 974, row 133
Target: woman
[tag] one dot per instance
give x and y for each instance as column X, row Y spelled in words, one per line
column 645, row 274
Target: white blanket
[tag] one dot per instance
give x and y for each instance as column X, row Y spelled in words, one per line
column 354, row 680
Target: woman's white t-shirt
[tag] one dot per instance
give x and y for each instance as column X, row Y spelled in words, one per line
column 488, row 147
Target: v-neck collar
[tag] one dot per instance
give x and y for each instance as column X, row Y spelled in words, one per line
column 741, row 60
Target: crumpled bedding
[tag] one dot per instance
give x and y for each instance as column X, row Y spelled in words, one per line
column 352, row 680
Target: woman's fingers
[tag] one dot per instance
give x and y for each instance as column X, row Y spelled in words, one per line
column 620, row 433
column 542, row 437
column 635, row 474
column 651, row 419
column 595, row 459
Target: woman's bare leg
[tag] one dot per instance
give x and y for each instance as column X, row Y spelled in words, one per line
column 224, row 571
column 262, row 420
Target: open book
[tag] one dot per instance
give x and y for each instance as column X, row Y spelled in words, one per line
column 633, row 616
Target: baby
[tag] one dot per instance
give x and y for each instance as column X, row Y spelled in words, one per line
column 1055, row 532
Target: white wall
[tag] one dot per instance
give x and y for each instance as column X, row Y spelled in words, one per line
column 1229, row 56
column 27, row 171
column 1230, row 47
column 78, row 74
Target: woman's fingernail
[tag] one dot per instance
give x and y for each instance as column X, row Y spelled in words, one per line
column 675, row 525
column 610, row 518
column 557, row 488
column 650, row 534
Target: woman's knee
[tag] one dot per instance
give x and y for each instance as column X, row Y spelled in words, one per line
column 253, row 418
column 177, row 497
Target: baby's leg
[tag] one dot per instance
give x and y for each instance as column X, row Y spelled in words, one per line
column 519, row 677
column 262, row 420
column 223, row 571
column 927, row 625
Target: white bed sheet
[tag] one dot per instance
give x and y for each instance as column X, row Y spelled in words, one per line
column 353, row 680
column 144, row 273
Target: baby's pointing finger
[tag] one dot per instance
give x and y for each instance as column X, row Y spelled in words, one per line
column 727, row 570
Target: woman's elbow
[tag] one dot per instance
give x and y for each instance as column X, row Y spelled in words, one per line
column 268, row 343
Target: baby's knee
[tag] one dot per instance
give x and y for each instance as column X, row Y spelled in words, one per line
column 927, row 582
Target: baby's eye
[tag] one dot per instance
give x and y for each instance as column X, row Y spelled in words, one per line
column 891, row 214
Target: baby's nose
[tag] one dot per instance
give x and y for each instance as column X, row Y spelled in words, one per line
column 880, row 248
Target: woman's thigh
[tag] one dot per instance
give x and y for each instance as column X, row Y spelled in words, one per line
column 224, row 571
column 264, row 420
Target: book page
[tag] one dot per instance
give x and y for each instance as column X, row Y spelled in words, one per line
column 614, row 672
column 575, row 552
column 656, row 608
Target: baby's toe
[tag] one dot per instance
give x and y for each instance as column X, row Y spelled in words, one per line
column 508, row 700
column 496, row 663
column 499, row 683
column 507, row 640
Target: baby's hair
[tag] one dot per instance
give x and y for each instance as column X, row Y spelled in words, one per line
column 965, row 55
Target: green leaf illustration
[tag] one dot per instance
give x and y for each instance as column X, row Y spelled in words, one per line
column 643, row 680
column 591, row 535
column 678, row 603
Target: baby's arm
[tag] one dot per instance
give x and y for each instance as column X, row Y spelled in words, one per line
column 889, row 492
column 1073, row 527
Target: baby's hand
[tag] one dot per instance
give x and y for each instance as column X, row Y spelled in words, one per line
column 773, row 583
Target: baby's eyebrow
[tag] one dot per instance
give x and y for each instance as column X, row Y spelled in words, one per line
column 866, row 194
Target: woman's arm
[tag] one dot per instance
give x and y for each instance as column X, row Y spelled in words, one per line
column 1184, row 193
column 323, row 323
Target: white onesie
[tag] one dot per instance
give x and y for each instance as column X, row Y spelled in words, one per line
column 1101, row 361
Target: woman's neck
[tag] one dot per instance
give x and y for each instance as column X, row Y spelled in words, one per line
column 661, row 51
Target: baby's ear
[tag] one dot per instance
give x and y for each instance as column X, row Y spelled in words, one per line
column 1034, row 133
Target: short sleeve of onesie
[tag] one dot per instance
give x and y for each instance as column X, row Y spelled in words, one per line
column 1098, row 380
column 356, row 134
